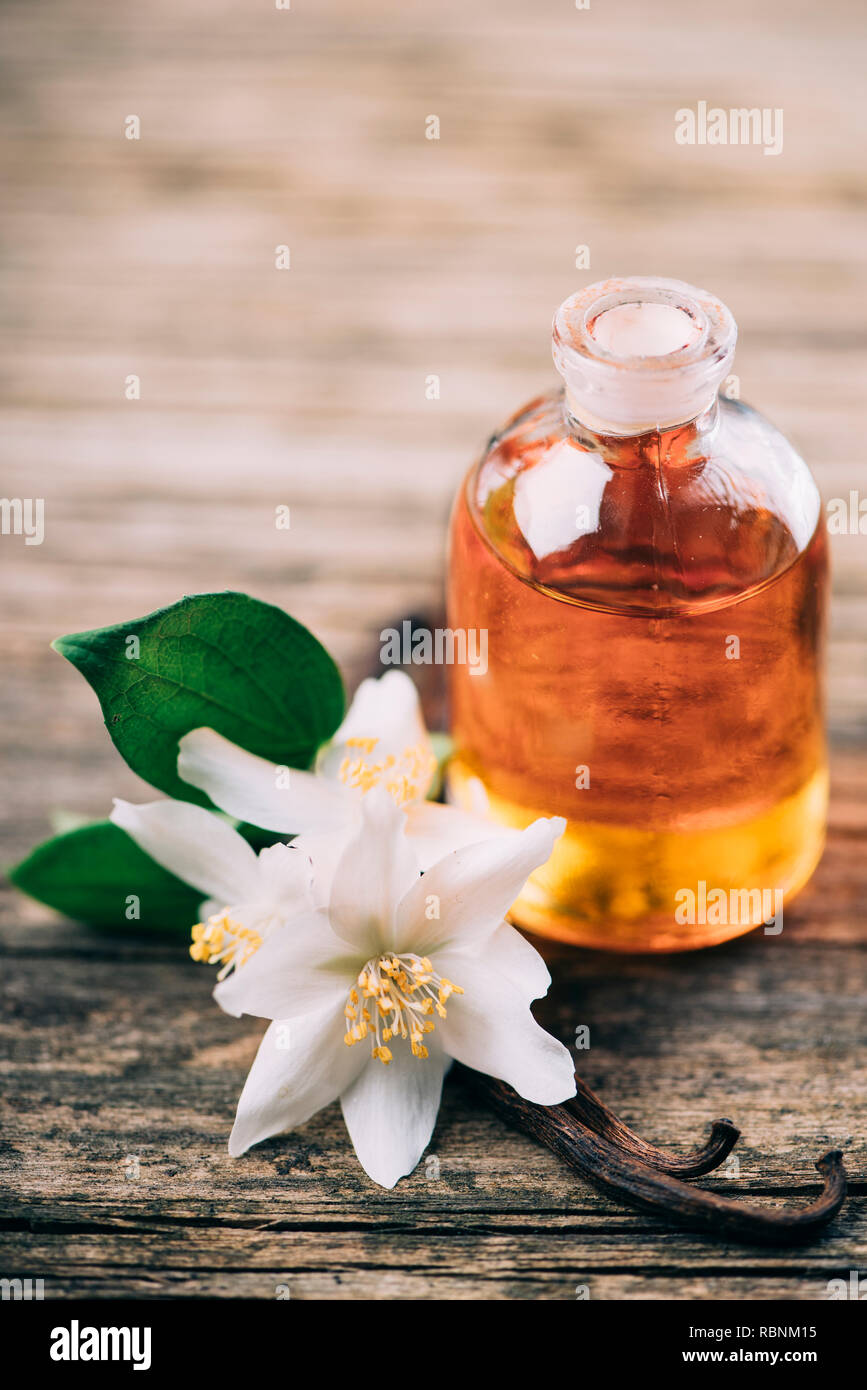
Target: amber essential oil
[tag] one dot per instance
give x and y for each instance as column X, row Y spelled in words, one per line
column 649, row 562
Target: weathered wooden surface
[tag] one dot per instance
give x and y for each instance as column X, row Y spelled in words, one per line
column 307, row 387
column 122, row 1078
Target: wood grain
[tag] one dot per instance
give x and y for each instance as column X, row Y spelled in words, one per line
column 121, row 1077
column 260, row 387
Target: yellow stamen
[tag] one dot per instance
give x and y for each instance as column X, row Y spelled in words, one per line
column 405, row 991
column 404, row 778
column 222, row 941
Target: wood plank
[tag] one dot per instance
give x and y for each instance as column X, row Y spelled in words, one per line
column 306, row 387
column 115, row 1055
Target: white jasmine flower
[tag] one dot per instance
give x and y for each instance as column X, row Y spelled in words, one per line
column 371, row 998
column 248, row 895
column 382, row 742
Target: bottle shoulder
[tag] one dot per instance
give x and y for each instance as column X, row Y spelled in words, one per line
column 689, row 518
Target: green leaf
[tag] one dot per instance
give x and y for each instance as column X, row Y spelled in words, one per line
column 224, row 661
column 94, row 874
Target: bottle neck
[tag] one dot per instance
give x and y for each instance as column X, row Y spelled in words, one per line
column 677, row 445
column 641, row 356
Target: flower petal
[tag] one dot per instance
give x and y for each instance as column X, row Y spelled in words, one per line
column 325, row 852
column 473, row 888
column 387, row 709
column 286, row 800
column 387, row 713
column 300, row 1067
column 390, row 1112
column 490, row 1028
column 195, row 844
column 285, row 875
column 299, row 968
column 375, row 871
column 437, row 830
column 513, row 956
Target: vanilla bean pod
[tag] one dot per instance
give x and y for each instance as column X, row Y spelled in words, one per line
column 621, row 1175
column 587, row 1107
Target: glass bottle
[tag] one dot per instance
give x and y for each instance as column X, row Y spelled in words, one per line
column 646, row 560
